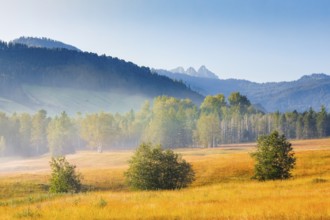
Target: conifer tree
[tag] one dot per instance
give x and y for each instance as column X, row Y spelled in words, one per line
column 274, row 157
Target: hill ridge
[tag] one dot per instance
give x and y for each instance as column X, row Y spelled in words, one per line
column 22, row 65
column 44, row 42
column 301, row 94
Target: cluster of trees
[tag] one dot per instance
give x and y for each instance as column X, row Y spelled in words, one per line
column 152, row 168
column 238, row 121
column 168, row 121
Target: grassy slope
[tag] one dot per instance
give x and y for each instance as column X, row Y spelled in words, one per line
column 55, row 100
column 9, row 106
column 223, row 189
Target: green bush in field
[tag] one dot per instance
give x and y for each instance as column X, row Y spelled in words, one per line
column 64, row 178
column 274, row 157
column 152, row 168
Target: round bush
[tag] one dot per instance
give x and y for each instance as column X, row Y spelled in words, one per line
column 152, row 168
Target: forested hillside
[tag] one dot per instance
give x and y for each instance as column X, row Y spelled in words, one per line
column 308, row 91
column 60, row 68
column 168, row 121
column 43, row 42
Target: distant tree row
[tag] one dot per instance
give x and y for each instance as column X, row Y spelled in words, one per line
column 168, row 121
column 238, row 121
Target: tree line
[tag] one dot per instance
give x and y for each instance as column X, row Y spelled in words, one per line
column 167, row 121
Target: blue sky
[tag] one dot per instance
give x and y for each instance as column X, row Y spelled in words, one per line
column 257, row 40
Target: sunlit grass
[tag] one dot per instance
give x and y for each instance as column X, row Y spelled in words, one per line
column 223, row 189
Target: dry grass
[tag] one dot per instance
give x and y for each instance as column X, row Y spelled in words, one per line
column 223, row 189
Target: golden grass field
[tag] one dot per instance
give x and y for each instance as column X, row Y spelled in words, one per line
column 223, row 188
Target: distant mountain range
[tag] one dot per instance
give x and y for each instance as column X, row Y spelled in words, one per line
column 309, row 91
column 60, row 78
column 40, row 73
column 201, row 72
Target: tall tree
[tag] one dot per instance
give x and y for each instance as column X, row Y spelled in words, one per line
column 213, row 104
column 99, row 130
column 300, row 127
column 309, row 130
column 39, row 132
column 291, row 119
column 238, row 101
column 60, row 134
column 171, row 123
column 10, row 127
column 321, row 122
column 2, row 145
column 208, row 130
column 141, row 122
column 25, row 124
column 274, row 157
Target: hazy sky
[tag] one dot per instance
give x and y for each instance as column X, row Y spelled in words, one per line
column 258, row 40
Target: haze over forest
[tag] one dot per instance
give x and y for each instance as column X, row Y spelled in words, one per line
column 40, row 73
column 109, row 108
column 51, row 89
column 101, row 102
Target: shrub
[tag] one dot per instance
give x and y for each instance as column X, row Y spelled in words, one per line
column 64, row 177
column 274, row 157
column 102, row 203
column 152, row 168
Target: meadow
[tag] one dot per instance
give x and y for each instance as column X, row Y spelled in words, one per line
column 223, row 188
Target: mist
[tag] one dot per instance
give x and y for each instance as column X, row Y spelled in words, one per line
column 168, row 121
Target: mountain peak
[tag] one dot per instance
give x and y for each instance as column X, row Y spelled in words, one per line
column 179, row 69
column 43, row 42
column 202, row 72
column 191, row 71
column 202, row 68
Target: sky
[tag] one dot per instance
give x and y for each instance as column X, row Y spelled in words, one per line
column 257, row 40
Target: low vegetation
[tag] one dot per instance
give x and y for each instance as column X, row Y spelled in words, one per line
column 64, row 178
column 223, row 188
column 152, row 168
